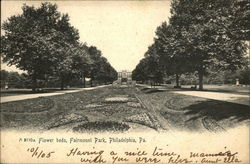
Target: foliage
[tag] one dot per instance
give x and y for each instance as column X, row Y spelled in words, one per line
column 14, row 79
column 172, row 51
column 206, row 29
column 149, row 68
column 139, row 73
column 101, row 69
column 201, row 35
column 42, row 42
column 33, row 41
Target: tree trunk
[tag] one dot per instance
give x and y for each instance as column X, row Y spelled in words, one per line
column 177, row 77
column 34, row 82
column 91, row 82
column 84, row 82
column 62, row 83
column 200, row 73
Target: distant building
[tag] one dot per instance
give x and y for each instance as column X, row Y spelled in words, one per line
column 124, row 77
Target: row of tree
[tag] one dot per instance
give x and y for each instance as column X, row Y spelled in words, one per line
column 213, row 77
column 42, row 42
column 13, row 79
column 201, row 35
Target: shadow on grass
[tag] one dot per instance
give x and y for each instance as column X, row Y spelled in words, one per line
column 213, row 115
column 145, row 89
column 151, row 90
column 218, row 110
column 154, row 91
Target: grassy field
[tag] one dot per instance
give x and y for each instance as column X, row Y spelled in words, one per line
column 191, row 113
column 242, row 89
column 15, row 92
column 225, row 88
column 120, row 109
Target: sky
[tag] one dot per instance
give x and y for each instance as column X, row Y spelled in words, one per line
column 122, row 30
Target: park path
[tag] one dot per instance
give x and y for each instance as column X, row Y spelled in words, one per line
column 228, row 97
column 36, row 95
column 214, row 95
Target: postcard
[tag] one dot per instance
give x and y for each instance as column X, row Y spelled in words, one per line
column 125, row 82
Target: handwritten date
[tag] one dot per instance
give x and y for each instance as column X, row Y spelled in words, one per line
column 36, row 152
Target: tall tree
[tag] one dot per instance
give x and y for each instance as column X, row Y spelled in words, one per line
column 171, row 49
column 81, row 62
column 240, row 26
column 95, row 55
column 205, row 26
column 4, row 78
column 153, row 67
column 139, row 73
column 33, row 40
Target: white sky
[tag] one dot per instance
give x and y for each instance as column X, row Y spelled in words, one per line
column 122, row 30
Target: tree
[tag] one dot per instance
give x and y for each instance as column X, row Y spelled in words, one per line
column 240, row 26
column 171, row 49
column 244, row 77
column 207, row 35
column 153, row 68
column 113, row 75
column 33, row 41
column 81, row 62
column 4, row 78
column 139, row 73
column 106, row 73
column 95, row 55
column 13, row 79
column 64, row 67
column 149, row 68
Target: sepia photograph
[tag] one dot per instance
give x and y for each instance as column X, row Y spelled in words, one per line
column 141, row 81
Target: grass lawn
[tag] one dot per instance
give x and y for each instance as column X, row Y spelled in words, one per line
column 14, row 92
column 74, row 111
column 245, row 90
column 122, row 109
column 194, row 113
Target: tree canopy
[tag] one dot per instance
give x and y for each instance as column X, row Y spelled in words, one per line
column 202, row 34
column 42, row 42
